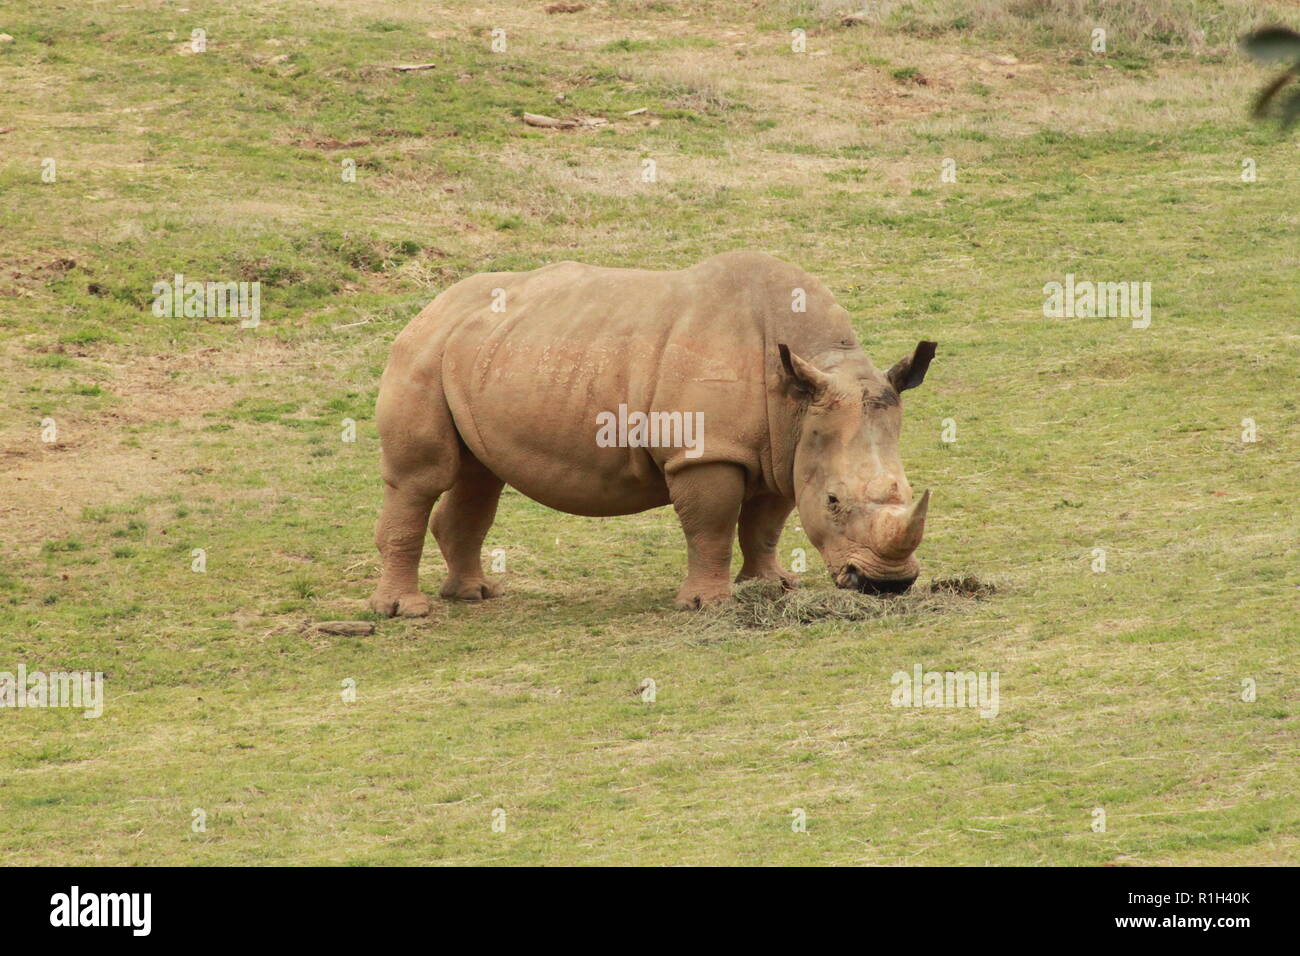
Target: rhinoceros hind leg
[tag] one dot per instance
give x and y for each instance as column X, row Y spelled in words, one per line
column 460, row 523
column 707, row 499
column 761, row 521
column 400, row 539
column 421, row 458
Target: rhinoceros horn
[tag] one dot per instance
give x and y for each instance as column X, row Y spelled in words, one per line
column 907, row 528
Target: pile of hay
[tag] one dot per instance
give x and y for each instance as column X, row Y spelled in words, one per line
column 763, row 605
column 969, row 586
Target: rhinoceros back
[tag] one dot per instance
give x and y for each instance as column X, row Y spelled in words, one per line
column 531, row 360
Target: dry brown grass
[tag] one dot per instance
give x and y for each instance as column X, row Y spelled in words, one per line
column 766, row 606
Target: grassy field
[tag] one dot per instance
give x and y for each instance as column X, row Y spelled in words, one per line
column 1120, row 691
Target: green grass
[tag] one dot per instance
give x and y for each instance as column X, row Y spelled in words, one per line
column 1120, row 690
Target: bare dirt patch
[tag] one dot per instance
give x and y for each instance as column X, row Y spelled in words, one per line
column 45, row 486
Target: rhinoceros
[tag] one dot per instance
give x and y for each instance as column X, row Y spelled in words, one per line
column 557, row 380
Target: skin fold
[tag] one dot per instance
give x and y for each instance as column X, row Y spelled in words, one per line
column 502, row 379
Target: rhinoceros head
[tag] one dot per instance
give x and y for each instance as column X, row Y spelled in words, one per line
column 854, row 501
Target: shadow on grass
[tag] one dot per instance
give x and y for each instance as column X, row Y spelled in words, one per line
column 755, row 606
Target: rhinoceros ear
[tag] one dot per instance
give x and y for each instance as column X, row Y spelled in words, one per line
column 803, row 375
column 910, row 372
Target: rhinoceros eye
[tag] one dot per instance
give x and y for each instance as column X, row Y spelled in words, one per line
column 832, row 502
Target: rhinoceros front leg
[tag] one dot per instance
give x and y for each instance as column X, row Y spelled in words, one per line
column 460, row 523
column 707, row 499
column 761, row 521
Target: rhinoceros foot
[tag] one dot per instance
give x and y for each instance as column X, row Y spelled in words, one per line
column 780, row 576
column 413, row 604
column 692, row 597
column 478, row 589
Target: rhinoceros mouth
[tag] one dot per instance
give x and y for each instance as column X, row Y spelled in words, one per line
column 855, row 579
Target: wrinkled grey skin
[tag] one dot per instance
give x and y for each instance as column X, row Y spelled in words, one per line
column 854, row 500
column 501, row 378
